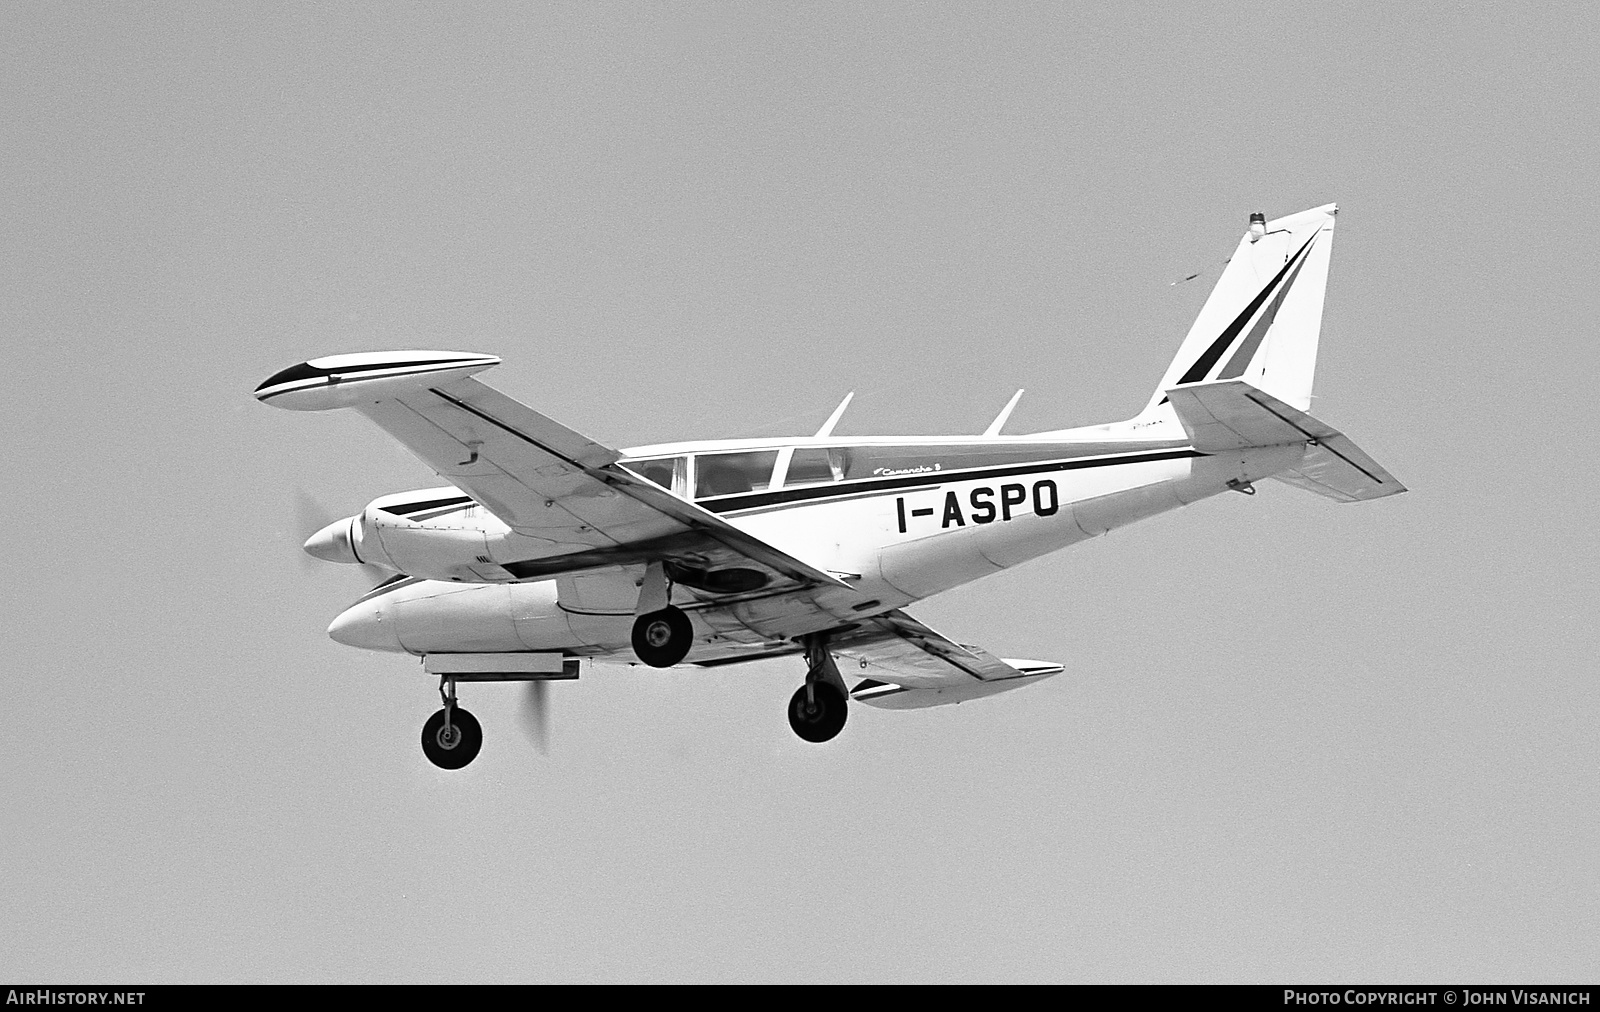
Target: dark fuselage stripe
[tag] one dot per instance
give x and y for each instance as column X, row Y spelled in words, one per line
column 839, row 492
column 845, row 495
column 756, row 500
column 849, row 489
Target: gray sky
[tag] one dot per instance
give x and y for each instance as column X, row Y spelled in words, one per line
column 1295, row 740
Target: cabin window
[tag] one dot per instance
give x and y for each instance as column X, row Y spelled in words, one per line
column 733, row 473
column 668, row 472
column 813, row 465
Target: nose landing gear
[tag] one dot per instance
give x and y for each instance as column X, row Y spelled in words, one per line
column 451, row 737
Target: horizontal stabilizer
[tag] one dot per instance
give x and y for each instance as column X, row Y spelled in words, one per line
column 1233, row 415
column 1337, row 468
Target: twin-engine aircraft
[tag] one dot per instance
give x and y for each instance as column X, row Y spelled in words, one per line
column 547, row 549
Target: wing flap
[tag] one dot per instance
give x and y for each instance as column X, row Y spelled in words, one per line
column 888, row 696
column 908, row 665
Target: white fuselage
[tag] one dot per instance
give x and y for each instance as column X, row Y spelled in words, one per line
column 897, row 519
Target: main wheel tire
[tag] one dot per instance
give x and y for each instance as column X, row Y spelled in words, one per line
column 663, row 638
column 821, row 717
column 452, row 751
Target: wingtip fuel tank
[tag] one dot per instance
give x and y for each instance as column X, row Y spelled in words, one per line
column 342, row 381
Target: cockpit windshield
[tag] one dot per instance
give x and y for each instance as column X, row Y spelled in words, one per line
column 668, row 472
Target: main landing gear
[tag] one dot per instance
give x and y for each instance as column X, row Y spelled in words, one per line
column 662, row 633
column 817, row 711
column 452, row 737
column 663, row 637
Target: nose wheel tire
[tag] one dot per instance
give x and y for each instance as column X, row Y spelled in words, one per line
column 454, row 748
column 662, row 638
column 817, row 711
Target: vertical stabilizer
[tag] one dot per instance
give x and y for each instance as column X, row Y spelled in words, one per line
column 1262, row 320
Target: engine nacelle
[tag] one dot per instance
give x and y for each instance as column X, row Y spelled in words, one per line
column 436, row 533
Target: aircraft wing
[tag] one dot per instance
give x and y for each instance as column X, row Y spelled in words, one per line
column 564, row 493
column 908, row 665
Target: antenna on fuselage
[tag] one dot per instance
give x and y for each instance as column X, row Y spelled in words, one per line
column 833, row 419
column 1005, row 413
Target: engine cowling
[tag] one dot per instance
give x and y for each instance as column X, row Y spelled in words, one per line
column 438, row 534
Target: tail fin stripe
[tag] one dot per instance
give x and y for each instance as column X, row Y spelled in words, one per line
column 1204, row 363
column 1247, row 350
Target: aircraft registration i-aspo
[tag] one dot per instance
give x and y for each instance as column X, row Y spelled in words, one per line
column 547, row 550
